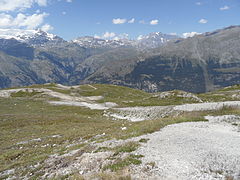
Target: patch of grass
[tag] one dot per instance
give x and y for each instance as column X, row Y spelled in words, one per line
column 102, row 149
column 119, row 164
column 225, row 94
column 76, row 177
column 62, row 177
column 231, row 88
column 25, row 94
column 128, row 147
column 119, row 175
column 63, row 91
column 226, row 110
column 47, row 85
column 26, row 119
column 128, row 97
column 143, row 140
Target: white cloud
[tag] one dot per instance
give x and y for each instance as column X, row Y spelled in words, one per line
column 203, row 21
column 22, row 20
column 41, row 2
column 154, row 22
column 64, row 13
column 69, row 1
column 190, row 34
column 224, row 8
column 112, row 36
column 199, row 3
column 131, row 21
column 30, row 22
column 108, row 35
column 119, row 21
column 12, row 5
column 47, row 27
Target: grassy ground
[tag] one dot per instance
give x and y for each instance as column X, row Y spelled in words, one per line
column 24, row 121
column 31, row 129
column 128, row 97
column 226, row 94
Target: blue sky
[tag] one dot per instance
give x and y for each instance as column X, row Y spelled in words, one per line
column 72, row 18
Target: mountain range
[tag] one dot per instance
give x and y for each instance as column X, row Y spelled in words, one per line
column 154, row 62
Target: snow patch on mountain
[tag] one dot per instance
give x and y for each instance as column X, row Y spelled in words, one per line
column 33, row 37
column 152, row 40
column 93, row 42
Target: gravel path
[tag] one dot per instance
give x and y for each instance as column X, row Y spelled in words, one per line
column 93, row 106
column 198, row 150
column 206, row 106
column 65, row 99
column 153, row 112
column 140, row 113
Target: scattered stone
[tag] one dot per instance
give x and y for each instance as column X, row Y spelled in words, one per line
column 124, row 128
column 198, row 150
column 207, row 106
column 182, row 94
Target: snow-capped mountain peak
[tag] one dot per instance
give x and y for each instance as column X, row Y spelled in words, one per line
column 152, row 40
column 41, row 38
column 92, row 42
column 32, row 37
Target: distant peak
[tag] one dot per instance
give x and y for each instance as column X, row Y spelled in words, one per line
column 33, row 37
column 232, row 27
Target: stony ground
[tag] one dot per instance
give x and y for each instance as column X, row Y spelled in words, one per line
column 194, row 150
column 153, row 112
column 199, row 150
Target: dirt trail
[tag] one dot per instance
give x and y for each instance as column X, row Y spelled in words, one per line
column 65, row 99
column 92, row 87
column 154, row 112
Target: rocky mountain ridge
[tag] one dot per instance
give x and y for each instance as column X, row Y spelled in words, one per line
column 198, row 64
column 152, row 40
column 31, row 37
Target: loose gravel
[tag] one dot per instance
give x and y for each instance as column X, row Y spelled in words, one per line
column 153, row 112
column 197, row 150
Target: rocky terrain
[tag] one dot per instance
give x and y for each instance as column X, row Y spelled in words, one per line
column 199, row 150
column 53, row 131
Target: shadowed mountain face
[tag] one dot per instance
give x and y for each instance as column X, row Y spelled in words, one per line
column 198, row 64
column 15, row 48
